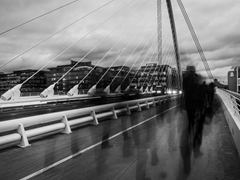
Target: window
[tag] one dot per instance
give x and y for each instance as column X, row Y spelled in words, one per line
column 231, row 74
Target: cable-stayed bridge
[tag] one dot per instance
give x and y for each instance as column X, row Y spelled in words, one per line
column 119, row 109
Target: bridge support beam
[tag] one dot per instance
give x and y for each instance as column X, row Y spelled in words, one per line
column 159, row 29
column 175, row 41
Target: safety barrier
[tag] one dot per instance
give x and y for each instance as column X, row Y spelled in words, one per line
column 20, row 131
column 231, row 106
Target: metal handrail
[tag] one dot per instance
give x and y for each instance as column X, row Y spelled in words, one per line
column 232, row 99
column 21, row 130
column 230, row 104
column 235, row 94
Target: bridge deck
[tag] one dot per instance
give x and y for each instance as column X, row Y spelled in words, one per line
column 152, row 144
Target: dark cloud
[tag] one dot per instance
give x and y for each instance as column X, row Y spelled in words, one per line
column 214, row 21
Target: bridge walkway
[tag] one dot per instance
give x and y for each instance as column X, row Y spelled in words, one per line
column 152, row 144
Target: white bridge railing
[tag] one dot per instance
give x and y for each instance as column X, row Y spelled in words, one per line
column 20, row 131
column 231, row 107
column 232, row 101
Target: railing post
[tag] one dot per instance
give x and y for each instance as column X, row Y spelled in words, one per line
column 24, row 140
column 114, row 113
column 128, row 110
column 147, row 105
column 154, row 103
column 95, row 120
column 67, row 129
column 139, row 107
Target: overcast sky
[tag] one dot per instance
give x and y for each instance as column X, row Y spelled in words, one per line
column 128, row 27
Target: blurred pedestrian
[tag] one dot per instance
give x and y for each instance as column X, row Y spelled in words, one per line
column 210, row 92
column 192, row 98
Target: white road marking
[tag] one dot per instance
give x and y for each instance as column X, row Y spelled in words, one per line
column 90, row 147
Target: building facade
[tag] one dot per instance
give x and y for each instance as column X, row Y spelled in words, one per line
column 32, row 87
column 66, row 77
column 83, row 70
column 7, row 81
column 234, row 79
column 157, row 75
column 121, row 75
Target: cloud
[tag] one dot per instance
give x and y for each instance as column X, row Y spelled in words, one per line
column 129, row 24
column 217, row 29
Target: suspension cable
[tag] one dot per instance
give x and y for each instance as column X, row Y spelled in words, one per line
column 143, row 60
column 55, row 33
column 159, row 29
column 118, row 57
column 168, row 60
column 94, row 68
column 132, row 67
column 107, row 69
column 195, row 39
column 130, row 70
column 159, row 16
column 146, row 67
column 168, row 51
column 71, row 45
column 148, row 74
column 37, row 17
column 154, row 71
column 150, row 70
column 155, row 67
column 122, row 66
